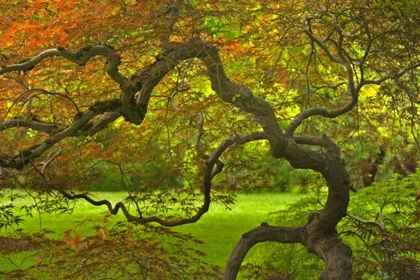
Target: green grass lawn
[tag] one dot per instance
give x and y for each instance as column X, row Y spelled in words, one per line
column 220, row 228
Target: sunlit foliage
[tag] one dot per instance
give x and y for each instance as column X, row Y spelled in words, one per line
column 182, row 103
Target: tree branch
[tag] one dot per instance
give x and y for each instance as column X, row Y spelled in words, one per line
column 213, row 167
column 394, row 75
column 20, row 160
column 33, row 124
column 351, row 88
column 80, row 58
column 380, row 225
column 259, row 234
column 323, row 141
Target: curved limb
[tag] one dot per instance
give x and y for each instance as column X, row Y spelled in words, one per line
column 352, row 90
column 80, row 58
column 259, row 234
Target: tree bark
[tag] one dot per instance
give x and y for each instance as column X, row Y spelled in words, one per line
column 318, row 235
column 260, row 234
column 337, row 258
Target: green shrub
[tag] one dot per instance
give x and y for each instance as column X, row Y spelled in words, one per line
column 382, row 228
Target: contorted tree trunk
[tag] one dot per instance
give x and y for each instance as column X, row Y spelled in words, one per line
column 318, row 235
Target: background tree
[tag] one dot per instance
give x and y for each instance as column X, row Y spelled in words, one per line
column 131, row 86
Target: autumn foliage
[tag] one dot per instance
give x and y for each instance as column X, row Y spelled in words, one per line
column 177, row 103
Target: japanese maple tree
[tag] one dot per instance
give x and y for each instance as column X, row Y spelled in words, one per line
column 168, row 94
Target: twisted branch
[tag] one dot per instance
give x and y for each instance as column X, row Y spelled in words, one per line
column 80, row 58
column 259, row 234
column 352, row 90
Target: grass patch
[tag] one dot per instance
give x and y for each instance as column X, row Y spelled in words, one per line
column 220, row 228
